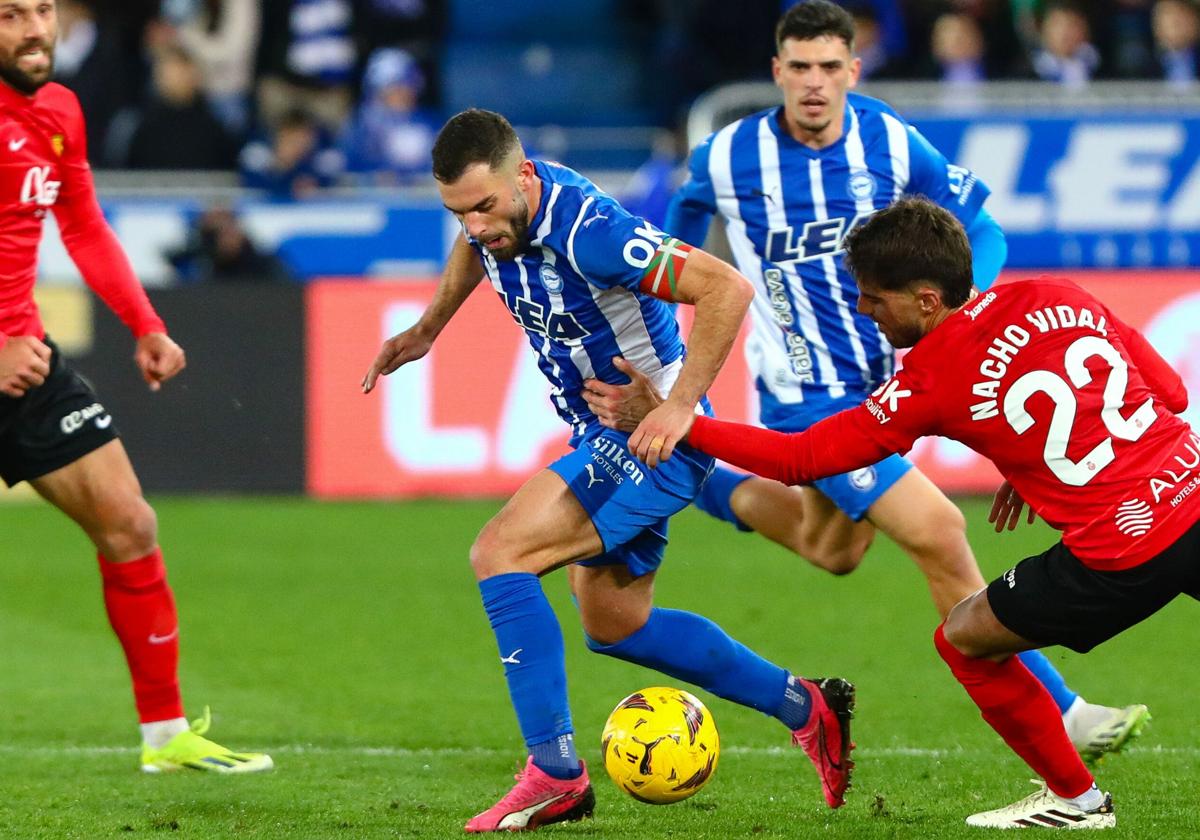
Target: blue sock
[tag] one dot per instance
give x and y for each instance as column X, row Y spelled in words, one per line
column 797, row 705
column 557, row 757
column 1048, row 676
column 713, row 498
column 689, row 647
column 531, row 648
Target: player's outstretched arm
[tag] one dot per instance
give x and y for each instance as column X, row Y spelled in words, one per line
column 24, row 364
column 459, row 278
column 721, row 297
column 837, row 444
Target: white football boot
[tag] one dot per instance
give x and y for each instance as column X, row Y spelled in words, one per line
column 1097, row 731
column 1043, row 809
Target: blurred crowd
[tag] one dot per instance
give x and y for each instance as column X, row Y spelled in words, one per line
column 297, row 94
column 300, row 94
column 958, row 42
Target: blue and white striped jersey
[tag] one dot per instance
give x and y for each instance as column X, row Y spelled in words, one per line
column 786, row 209
column 575, row 293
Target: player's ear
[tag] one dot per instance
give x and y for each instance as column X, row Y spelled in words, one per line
column 855, row 70
column 526, row 172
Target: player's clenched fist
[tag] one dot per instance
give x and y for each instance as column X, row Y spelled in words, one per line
column 24, row 364
column 399, row 350
column 159, row 358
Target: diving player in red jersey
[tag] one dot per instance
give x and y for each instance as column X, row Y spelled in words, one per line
column 1077, row 411
column 54, row 432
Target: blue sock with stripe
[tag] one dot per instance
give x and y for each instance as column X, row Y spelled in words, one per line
column 1048, row 676
column 689, row 647
column 714, row 496
column 531, row 648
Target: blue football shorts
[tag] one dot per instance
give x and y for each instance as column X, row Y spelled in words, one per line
column 628, row 502
column 853, row 492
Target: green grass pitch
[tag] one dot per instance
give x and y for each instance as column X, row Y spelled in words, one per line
column 348, row 641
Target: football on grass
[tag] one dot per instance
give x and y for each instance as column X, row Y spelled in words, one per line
column 660, row 745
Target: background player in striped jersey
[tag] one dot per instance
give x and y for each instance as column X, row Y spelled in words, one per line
column 589, row 282
column 790, row 183
column 54, row 432
column 1076, row 410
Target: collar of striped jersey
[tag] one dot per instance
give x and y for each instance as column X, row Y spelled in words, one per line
column 539, row 167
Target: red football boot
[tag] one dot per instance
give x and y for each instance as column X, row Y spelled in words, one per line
column 536, row 800
column 826, row 736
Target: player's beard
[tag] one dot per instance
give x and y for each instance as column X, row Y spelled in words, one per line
column 518, row 230
column 901, row 336
column 16, row 78
column 812, row 126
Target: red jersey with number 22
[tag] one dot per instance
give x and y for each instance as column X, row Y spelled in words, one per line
column 44, row 167
column 1075, row 408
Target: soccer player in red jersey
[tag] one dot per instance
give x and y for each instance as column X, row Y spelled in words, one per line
column 54, row 432
column 1077, row 411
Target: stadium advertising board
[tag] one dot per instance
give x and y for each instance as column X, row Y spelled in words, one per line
column 1098, row 191
column 473, row 418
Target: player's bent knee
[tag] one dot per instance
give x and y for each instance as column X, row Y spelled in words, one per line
column 842, row 561
column 491, row 555
column 482, row 559
column 958, row 632
column 130, row 531
column 600, row 637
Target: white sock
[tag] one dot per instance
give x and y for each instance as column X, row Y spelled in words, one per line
column 158, row 732
column 1089, row 800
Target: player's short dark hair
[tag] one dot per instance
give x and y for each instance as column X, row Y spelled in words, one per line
column 912, row 241
column 470, row 137
column 813, row 19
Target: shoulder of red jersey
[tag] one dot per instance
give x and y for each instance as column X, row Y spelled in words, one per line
column 64, row 105
column 59, row 98
column 1045, row 280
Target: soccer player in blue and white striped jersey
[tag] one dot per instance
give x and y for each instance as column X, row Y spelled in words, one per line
column 790, row 183
column 592, row 287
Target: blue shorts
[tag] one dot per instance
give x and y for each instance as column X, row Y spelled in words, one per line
column 853, row 492
column 628, row 502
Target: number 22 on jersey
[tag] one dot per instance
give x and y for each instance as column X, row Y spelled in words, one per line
column 1066, row 407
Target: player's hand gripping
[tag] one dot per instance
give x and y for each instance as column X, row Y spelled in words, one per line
column 158, row 358
column 24, row 364
column 657, row 424
column 1006, row 509
column 622, row 407
column 399, row 350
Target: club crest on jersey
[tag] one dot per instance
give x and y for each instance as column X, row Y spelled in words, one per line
column 552, row 281
column 38, row 188
column 58, row 143
column 863, row 479
column 862, row 185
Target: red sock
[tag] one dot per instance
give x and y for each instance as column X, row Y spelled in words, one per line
column 141, row 610
column 1024, row 714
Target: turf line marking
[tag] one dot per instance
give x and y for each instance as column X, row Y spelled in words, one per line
column 438, row 752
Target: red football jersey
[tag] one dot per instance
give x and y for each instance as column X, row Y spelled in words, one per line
column 1074, row 407
column 43, row 166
